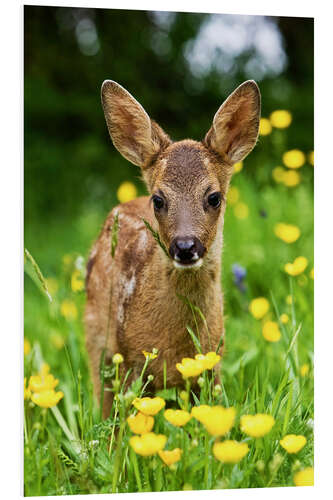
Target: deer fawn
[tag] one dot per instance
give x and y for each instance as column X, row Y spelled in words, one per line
column 134, row 298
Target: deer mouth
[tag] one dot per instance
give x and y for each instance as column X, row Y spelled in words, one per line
column 192, row 264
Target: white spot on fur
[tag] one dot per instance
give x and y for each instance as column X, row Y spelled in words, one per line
column 126, row 290
column 195, row 265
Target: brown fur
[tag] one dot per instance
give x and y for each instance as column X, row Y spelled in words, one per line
column 133, row 299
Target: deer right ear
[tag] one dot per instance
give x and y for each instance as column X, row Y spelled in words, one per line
column 235, row 127
column 133, row 133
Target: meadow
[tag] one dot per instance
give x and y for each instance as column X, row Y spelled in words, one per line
column 266, row 370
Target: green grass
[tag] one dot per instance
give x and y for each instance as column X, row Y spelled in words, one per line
column 70, row 450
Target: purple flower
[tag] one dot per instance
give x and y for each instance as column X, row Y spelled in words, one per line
column 239, row 273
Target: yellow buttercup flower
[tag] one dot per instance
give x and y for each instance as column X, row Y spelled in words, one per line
column 304, row 477
column 201, row 412
column 281, row 118
column 271, row 332
column 287, row 232
column 68, row 309
column 210, row 359
column 293, row 158
column 190, row 367
column 292, row 443
column 47, row 398
column 289, row 300
column 26, row 390
column 140, row 423
column 218, row 420
column 117, row 358
column 26, row 347
column 278, row 174
column 233, row 195
column 284, row 318
column 77, row 282
column 241, row 210
column 57, row 340
column 230, row 452
column 256, row 425
column 149, row 355
column 40, row 383
column 126, row 192
column 177, row 417
column 148, row 444
column 311, row 157
column 291, row 178
column 259, row 307
column 149, row 406
column 265, row 127
column 297, row 267
column 170, row 457
column 304, row 370
column 311, row 274
column 238, row 167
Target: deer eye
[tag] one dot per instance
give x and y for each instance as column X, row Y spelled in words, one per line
column 158, row 202
column 214, row 200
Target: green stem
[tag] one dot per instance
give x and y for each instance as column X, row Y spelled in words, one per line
column 206, row 461
column 136, row 470
column 118, row 457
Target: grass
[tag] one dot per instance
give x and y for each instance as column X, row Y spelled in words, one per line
column 69, row 450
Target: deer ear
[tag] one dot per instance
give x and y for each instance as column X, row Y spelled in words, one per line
column 133, row 133
column 235, row 127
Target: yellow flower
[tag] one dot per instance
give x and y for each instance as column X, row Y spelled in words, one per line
column 238, row 167
column 171, row 457
column 126, row 192
column 40, row 383
column 278, row 174
column 27, row 392
column 287, row 232
column 265, row 127
column 256, row 425
column 27, row 347
column 304, row 370
column 284, row 318
column 47, row 398
column 289, row 300
column 148, row 444
column 230, row 452
column 149, row 355
column 259, row 307
column 177, row 417
column 291, row 178
column 292, row 443
column 297, row 267
column 311, row 157
column 190, row 367
column 271, row 332
column 311, row 274
column 233, row 195
column 68, row 309
column 200, row 412
column 218, row 420
column 304, row 477
column 241, row 210
column 117, row 358
column 57, row 340
column 294, row 158
column 77, row 281
column 140, row 423
column 280, row 118
column 149, row 406
column 210, row 359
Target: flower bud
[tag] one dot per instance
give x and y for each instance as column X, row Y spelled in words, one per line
column 150, row 378
column 117, row 359
column 201, row 381
column 184, row 396
column 260, row 466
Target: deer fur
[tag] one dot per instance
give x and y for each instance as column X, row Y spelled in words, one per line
column 133, row 299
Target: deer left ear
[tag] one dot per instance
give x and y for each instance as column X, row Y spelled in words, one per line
column 235, row 127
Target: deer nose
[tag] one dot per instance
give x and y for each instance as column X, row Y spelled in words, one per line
column 186, row 249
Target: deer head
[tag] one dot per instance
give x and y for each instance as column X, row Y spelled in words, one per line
column 188, row 180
